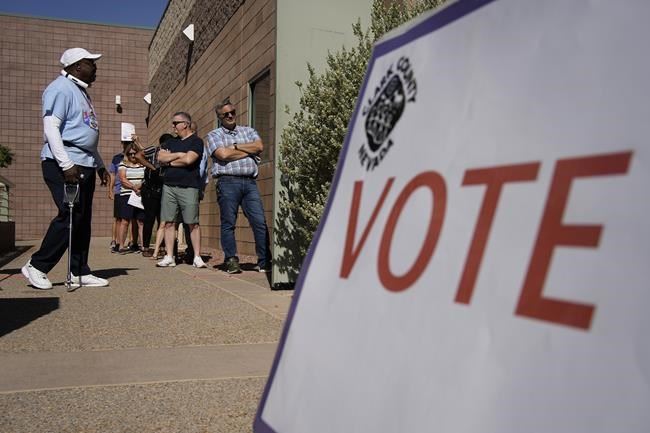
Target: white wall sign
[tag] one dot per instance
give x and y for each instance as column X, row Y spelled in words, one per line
column 483, row 264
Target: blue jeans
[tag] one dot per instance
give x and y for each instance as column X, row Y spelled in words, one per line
column 232, row 192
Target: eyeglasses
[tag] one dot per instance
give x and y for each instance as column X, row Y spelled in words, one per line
column 229, row 113
column 176, row 122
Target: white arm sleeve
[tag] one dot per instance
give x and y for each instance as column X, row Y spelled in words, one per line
column 51, row 126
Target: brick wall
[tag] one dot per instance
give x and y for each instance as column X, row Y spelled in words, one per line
column 31, row 49
column 242, row 50
column 171, row 25
column 209, row 18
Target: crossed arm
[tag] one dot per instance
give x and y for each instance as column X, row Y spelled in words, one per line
column 177, row 159
column 239, row 151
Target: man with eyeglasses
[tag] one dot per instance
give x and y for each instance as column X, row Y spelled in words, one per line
column 181, row 185
column 69, row 155
column 235, row 153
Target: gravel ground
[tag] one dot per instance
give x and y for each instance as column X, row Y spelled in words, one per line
column 219, row 406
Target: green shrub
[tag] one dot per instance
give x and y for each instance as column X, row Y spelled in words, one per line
column 311, row 142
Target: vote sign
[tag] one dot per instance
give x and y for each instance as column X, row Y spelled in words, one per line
column 483, row 261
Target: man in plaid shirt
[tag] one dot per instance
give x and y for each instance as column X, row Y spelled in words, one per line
column 235, row 153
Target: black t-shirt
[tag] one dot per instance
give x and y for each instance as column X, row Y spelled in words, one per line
column 187, row 176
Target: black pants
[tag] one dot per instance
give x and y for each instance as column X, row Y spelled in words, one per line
column 151, row 215
column 55, row 242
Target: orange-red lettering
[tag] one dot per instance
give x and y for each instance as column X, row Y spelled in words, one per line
column 552, row 233
column 436, row 184
column 350, row 253
column 494, row 178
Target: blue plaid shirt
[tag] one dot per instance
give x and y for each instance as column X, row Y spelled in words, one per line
column 222, row 137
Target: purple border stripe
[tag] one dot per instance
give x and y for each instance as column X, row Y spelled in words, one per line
column 446, row 16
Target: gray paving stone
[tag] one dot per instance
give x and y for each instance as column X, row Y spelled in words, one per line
column 159, row 350
column 215, row 406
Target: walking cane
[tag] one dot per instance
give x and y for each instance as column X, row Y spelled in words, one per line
column 70, row 197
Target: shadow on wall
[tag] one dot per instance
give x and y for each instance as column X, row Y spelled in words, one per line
column 7, row 236
column 293, row 241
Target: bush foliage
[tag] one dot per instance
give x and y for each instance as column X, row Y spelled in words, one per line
column 311, row 142
column 6, row 156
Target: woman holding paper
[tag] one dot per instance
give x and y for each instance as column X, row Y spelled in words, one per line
column 131, row 174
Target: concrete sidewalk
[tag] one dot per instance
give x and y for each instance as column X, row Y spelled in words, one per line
column 160, row 350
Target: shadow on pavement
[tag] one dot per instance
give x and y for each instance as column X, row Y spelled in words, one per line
column 112, row 272
column 252, row 267
column 18, row 312
column 9, row 272
column 9, row 256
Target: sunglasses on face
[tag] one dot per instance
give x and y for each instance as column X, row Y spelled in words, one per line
column 229, row 113
column 176, row 122
column 131, row 153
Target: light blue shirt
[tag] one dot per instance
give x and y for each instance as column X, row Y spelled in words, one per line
column 79, row 128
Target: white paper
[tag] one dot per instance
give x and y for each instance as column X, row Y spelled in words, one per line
column 128, row 129
column 135, row 200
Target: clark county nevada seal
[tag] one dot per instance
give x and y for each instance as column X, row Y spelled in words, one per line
column 396, row 88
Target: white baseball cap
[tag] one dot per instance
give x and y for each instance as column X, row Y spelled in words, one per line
column 73, row 55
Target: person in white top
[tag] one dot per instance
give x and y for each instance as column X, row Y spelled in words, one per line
column 131, row 174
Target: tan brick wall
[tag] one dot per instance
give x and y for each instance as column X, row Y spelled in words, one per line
column 209, row 18
column 171, row 24
column 240, row 52
column 31, row 49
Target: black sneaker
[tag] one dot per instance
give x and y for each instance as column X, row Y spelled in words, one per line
column 135, row 248
column 232, row 266
column 115, row 248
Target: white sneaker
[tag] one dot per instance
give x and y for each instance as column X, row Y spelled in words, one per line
column 36, row 278
column 199, row 263
column 167, row 262
column 89, row 281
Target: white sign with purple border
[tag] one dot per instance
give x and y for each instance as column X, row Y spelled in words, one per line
column 483, row 263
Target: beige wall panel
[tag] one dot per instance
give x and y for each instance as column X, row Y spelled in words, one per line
column 306, row 30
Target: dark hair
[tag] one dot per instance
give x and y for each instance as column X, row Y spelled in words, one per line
column 183, row 114
column 163, row 138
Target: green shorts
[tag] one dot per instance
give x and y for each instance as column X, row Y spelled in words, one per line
column 185, row 199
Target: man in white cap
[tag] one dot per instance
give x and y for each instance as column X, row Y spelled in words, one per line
column 69, row 155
